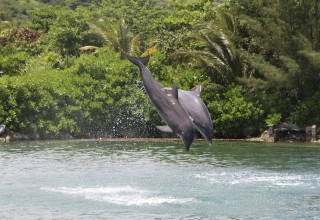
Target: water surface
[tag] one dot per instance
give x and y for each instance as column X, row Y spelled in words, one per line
column 158, row 180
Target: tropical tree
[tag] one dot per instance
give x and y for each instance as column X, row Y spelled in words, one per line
column 301, row 20
column 118, row 35
column 213, row 50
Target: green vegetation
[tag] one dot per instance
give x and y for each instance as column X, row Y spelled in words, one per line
column 257, row 61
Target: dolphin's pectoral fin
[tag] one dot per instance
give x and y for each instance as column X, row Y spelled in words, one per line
column 197, row 90
column 165, row 128
column 174, row 90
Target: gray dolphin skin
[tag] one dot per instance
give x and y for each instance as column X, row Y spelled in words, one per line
column 197, row 110
column 166, row 103
column 195, row 107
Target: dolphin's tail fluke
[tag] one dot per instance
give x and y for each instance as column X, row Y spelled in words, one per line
column 136, row 61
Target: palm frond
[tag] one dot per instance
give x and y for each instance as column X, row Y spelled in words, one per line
column 229, row 21
column 216, row 52
column 99, row 30
column 150, row 51
column 134, row 45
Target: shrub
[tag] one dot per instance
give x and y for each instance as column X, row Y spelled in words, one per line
column 12, row 63
column 98, row 96
column 230, row 111
column 307, row 112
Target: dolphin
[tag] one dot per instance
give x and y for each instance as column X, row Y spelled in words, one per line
column 197, row 110
column 195, row 107
column 166, row 103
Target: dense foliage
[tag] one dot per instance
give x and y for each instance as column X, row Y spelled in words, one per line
column 64, row 70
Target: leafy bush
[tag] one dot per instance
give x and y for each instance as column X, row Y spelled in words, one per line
column 275, row 109
column 65, row 30
column 12, row 63
column 230, row 111
column 98, row 96
column 307, row 112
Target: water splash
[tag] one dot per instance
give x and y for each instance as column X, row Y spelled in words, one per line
column 267, row 179
column 127, row 195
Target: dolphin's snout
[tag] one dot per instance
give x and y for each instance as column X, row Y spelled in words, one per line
column 206, row 130
column 187, row 139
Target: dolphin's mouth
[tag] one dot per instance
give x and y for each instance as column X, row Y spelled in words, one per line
column 187, row 141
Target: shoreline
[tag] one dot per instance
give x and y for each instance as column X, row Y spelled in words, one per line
column 255, row 139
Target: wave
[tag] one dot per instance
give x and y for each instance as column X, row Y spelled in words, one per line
column 269, row 179
column 127, row 195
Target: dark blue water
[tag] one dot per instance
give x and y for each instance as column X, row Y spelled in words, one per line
column 158, row 180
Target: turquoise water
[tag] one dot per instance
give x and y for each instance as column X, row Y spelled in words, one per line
column 158, row 180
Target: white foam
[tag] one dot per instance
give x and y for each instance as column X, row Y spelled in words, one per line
column 127, row 195
column 268, row 179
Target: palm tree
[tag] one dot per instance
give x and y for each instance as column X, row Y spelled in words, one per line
column 118, row 36
column 213, row 51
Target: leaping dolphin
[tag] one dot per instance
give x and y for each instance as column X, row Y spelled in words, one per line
column 195, row 107
column 197, row 110
column 166, row 103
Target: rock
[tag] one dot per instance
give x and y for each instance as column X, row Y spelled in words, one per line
column 266, row 136
column 2, row 128
column 88, row 48
column 290, row 132
column 16, row 136
column 289, row 127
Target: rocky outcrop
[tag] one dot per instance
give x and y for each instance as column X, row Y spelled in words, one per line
column 17, row 136
column 291, row 132
column 313, row 133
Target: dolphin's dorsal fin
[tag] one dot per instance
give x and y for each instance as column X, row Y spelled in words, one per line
column 197, row 90
column 165, row 128
column 174, row 90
